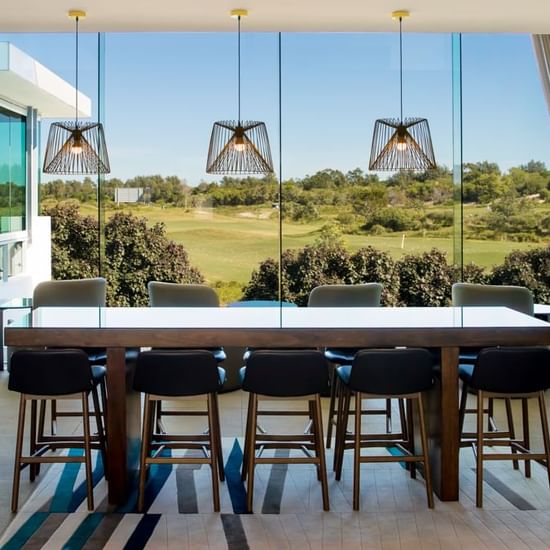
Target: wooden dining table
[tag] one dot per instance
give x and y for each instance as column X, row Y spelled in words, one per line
column 116, row 329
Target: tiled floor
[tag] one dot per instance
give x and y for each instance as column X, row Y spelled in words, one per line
column 288, row 514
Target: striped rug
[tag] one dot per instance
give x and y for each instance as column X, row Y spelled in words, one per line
column 178, row 510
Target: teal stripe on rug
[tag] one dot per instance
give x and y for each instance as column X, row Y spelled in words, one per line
column 64, row 490
column 395, row 451
column 26, row 531
column 84, row 531
column 233, row 481
column 81, row 492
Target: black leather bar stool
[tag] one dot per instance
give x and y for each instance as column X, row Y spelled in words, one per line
column 285, row 374
column 513, row 297
column 163, row 294
column 506, row 373
column 48, row 375
column 360, row 295
column 388, row 373
column 177, row 374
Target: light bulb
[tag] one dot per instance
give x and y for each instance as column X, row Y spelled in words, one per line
column 76, row 149
column 239, row 144
column 402, row 145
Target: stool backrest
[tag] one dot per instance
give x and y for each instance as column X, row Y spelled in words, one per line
column 514, row 297
column 181, row 295
column 176, row 372
column 363, row 295
column 392, row 371
column 71, row 292
column 286, row 373
column 50, row 372
column 512, row 370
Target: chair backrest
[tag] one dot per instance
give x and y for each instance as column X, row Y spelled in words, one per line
column 286, row 373
column 50, row 372
column 363, row 295
column 176, row 372
column 392, row 371
column 514, row 297
column 181, row 295
column 71, row 292
column 512, row 370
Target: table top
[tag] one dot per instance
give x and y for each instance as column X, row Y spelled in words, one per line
column 276, row 327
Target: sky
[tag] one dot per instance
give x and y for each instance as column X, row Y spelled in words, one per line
column 163, row 92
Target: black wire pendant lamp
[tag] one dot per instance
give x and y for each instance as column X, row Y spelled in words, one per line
column 239, row 147
column 76, row 147
column 397, row 143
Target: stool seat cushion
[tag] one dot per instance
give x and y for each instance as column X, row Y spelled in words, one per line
column 341, row 356
column 98, row 373
column 344, row 373
column 465, row 372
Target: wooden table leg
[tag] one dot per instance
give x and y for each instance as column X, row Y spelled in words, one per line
column 123, row 425
column 442, row 405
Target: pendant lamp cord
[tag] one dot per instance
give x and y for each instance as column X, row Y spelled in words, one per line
column 76, row 68
column 239, row 67
column 401, row 66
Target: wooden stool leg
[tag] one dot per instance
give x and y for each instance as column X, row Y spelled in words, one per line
column 462, row 409
column 18, row 452
column 357, row 452
column 311, row 431
column 403, row 419
column 251, row 453
column 545, row 435
column 32, row 439
column 342, row 392
column 410, row 441
column 334, row 382
column 425, row 453
column 491, row 426
column 244, row 471
column 87, row 451
column 479, row 453
column 100, row 429
column 214, row 451
column 216, row 418
column 339, row 451
column 388, row 416
column 53, row 419
column 511, row 428
column 526, row 435
column 144, row 453
column 320, row 451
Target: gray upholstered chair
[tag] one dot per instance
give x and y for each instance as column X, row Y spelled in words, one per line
column 360, row 295
column 470, row 294
column 162, row 294
column 74, row 293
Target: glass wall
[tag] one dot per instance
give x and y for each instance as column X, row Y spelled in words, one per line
column 319, row 95
column 12, row 171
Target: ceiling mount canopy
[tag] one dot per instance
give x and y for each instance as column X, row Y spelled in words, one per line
column 76, row 147
column 239, row 147
column 398, row 143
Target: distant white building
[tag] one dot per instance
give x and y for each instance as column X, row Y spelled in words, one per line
column 28, row 92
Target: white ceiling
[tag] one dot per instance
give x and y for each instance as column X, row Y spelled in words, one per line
column 531, row 16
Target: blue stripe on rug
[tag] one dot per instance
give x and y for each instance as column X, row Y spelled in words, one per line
column 84, row 531
column 26, row 531
column 63, row 495
column 395, row 451
column 142, row 533
column 233, row 481
column 81, row 491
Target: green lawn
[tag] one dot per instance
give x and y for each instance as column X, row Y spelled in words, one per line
column 227, row 245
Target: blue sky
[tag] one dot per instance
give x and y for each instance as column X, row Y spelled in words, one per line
column 164, row 91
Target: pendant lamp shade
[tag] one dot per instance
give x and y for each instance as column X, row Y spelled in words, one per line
column 398, row 143
column 76, row 147
column 237, row 146
column 401, row 145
